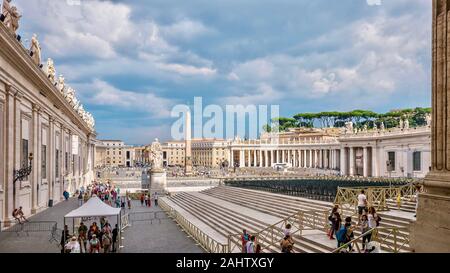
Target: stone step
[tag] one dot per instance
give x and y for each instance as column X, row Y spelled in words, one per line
column 288, row 204
column 242, row 199
column 229, row 224
column 280, row 210
column 233, row 225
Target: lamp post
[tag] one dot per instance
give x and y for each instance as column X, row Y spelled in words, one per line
column 19, row 175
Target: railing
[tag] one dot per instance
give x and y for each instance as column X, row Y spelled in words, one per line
column 205, row 241
column 390, row 239
column 147, row 216
column 28, row 226
column 124, row 221
column 376, row 196
column 272, row 235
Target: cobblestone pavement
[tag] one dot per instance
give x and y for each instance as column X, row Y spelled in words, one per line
column 140, row 237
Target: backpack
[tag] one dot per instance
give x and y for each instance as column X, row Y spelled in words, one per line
column 341, row 234
column 106, row 240
column 378, row 220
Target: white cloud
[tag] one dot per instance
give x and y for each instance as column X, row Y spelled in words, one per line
column 104, row 31
column 263, row 94
column 185, row 29
column 380, row 55
column 101, row 93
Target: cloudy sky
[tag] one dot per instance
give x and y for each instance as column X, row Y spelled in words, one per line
column 132, row 61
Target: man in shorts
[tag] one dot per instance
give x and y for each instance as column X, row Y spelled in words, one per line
column 362, row 203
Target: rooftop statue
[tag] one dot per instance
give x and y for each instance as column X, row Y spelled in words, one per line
column 35, row 50
column 12, row 17
column 365, row 128
column 51, row 72
column 70, row 95
column 406, row 125
column 401, row 124
column 382, row 126
column 61, row 84
column 5, row 9
column 375, row 126
column 349, row 126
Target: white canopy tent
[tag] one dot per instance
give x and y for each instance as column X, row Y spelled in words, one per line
column 95, row 207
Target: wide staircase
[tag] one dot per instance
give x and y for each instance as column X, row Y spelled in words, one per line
column 283, row 206
column 227, row 222
column 228, row 210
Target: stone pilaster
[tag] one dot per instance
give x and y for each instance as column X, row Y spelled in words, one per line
column 431, row 232
column 35, row 174
column 9, row 150
column 51, row 158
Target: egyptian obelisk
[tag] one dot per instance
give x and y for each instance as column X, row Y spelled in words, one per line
column 188, row 142
column 431, row 231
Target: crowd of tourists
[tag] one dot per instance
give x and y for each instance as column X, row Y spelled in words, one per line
column 94, row 239
column 249, row 244
column 146, row 199
column 368, row 221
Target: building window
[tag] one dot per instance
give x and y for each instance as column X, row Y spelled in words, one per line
column 67, row 162
column 391, row 161
column 25, row 153
column 44, row 161
column 417, row 160
column 57, row 164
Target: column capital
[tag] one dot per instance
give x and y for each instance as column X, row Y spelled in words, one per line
column 36, row 108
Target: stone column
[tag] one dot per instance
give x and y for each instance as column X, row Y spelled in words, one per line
column 36, row 145
column 310, row 159
column 352, row 161
column 431, row 231
column 266, row 158
column 260, row 164
column 249, row 158
column 304, row 159
column 9, row 150
column 343, row 162
column 294, row 159
column 232, row 158
column 375, row 171
column 365, row 162
column 51, row 158
column 241, row 159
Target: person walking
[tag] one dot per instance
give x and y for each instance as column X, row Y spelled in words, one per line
column 287, row 230
column 373, row 221
column 336, row 220
column 94, row 244
column 86, row 197
column 72, row 246
column 287, row 244
column 66, row 195
column 129, row 202
column 114, row 238
column 364, row 226
column 156, row 199
column 143, row 198
column 65, row 236
column 331, row 220
column 245, row 237
column 80, row 199
column 82, row 234
column 362, row 203
column 106, row 241
column 250, row 246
